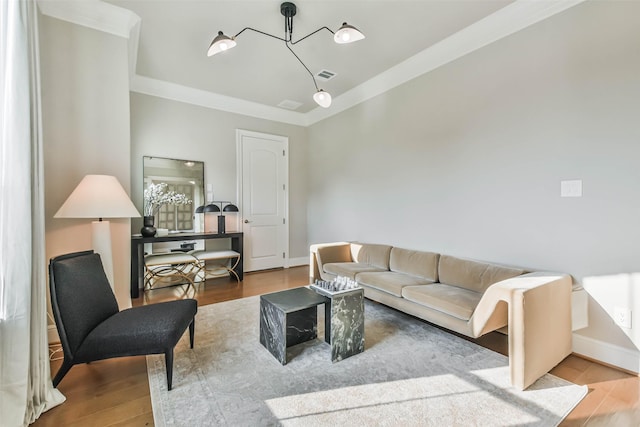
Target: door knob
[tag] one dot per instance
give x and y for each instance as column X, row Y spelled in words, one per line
column 246, row 221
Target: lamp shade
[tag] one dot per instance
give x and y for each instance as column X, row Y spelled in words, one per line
column 220, row 44
column 98, row 196
column 347, row 34
column 211, row 207
column 200, row 209
column 230, row 208
column 322, row 98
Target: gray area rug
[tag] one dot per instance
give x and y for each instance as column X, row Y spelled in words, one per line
column 410, row 373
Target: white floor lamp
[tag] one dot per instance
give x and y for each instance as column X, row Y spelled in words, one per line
column 99, row 196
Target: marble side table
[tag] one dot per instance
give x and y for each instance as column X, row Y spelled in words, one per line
column 344, row 322
column 288, row 318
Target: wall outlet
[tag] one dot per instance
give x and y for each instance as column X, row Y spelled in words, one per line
column 622, row 317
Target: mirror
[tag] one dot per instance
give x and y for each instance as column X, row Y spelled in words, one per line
column 181, row 176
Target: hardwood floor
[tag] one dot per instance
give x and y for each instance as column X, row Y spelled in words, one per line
column 116, row 392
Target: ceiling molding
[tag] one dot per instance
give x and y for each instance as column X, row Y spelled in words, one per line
column 504, row 22
column 94, row 14
column 100, row 16
column 124, row 23
column 189, row 95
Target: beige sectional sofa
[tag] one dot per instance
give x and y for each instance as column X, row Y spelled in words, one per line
column 465, row 296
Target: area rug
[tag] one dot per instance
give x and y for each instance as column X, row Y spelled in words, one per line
column 410, row 373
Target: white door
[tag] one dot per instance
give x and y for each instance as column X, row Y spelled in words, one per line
column 262, row 178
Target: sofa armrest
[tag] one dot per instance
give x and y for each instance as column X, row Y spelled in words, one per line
column 539, row 318
column 324, row 253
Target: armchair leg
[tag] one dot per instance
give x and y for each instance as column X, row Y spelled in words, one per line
column 192, row 327
column 168, row 358
column 66, row 365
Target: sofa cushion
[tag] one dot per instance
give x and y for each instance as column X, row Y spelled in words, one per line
column 452, row 300
column 376, row 255
column 473, row 275
column 348, row 269
column 415, row 263
column 389, row 281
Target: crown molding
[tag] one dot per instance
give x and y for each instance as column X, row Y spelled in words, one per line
column 506, row 21
column 189, row 95
column 121, row 22
column 100, row 16
column 94, row 14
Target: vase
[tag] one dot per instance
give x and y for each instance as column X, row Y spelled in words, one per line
column 148, row 230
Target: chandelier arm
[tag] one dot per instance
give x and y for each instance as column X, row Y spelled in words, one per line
column 310, row 34
column 260, row 32
column 305, row 67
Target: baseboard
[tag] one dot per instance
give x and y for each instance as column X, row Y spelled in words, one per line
column 610, row 354
column 295, row 262
column 52, row 334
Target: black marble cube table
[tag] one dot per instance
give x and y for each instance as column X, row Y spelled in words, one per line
column 344, row 322
column 290, row 317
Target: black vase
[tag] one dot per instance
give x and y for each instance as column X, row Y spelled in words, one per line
column 148, row 230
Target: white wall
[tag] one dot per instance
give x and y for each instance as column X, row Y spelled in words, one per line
column 166, row 128
column 85, row 110
column 467, row 160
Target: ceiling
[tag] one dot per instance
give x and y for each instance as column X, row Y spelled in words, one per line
column 175, row 35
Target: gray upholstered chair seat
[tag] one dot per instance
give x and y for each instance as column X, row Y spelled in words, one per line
column 138, row 331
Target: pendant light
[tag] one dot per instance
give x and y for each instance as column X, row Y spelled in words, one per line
column 345, row 34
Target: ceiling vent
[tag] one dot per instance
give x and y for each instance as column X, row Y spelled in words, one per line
column 290, row 105
column 325, row 75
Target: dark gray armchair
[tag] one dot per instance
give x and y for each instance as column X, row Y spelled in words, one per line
column 92, row 328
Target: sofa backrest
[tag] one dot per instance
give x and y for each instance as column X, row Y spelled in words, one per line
column 367, row 253
column 415, row 263
column 473, row 275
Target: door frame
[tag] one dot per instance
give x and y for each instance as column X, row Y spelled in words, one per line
column 240, row 133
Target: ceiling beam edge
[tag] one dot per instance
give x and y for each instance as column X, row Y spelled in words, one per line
column 180, row 93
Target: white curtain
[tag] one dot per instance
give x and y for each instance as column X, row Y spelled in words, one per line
column 25, row 379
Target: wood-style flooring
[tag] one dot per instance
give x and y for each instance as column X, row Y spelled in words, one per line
column 116, row 392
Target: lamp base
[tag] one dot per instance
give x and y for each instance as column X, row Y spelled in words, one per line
column 221, row 224
column 101, row 240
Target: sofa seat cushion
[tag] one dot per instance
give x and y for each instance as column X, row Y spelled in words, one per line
column 472, row 275
column 452, row 300
column 349, row 269
column 390, row 282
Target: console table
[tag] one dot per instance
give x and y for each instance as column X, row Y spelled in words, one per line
column 137, row 252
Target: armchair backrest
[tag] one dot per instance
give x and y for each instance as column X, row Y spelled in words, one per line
column 81, row 296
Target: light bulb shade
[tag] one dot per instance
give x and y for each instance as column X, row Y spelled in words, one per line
column 220, row 44
column 230, row 208
column 322, row 98
column 347, row 34
column 98, row 196
column 211, row 207
column 200, row 209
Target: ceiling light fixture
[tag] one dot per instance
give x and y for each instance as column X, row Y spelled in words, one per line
column 346, row 34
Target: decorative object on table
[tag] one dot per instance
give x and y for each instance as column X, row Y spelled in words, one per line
column 213, row 207
column 345, row 34
column 99, row 196
column 339, row 285
column 156, row 196
column 148, row 230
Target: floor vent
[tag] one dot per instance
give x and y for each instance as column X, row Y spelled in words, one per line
column 325, row 75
